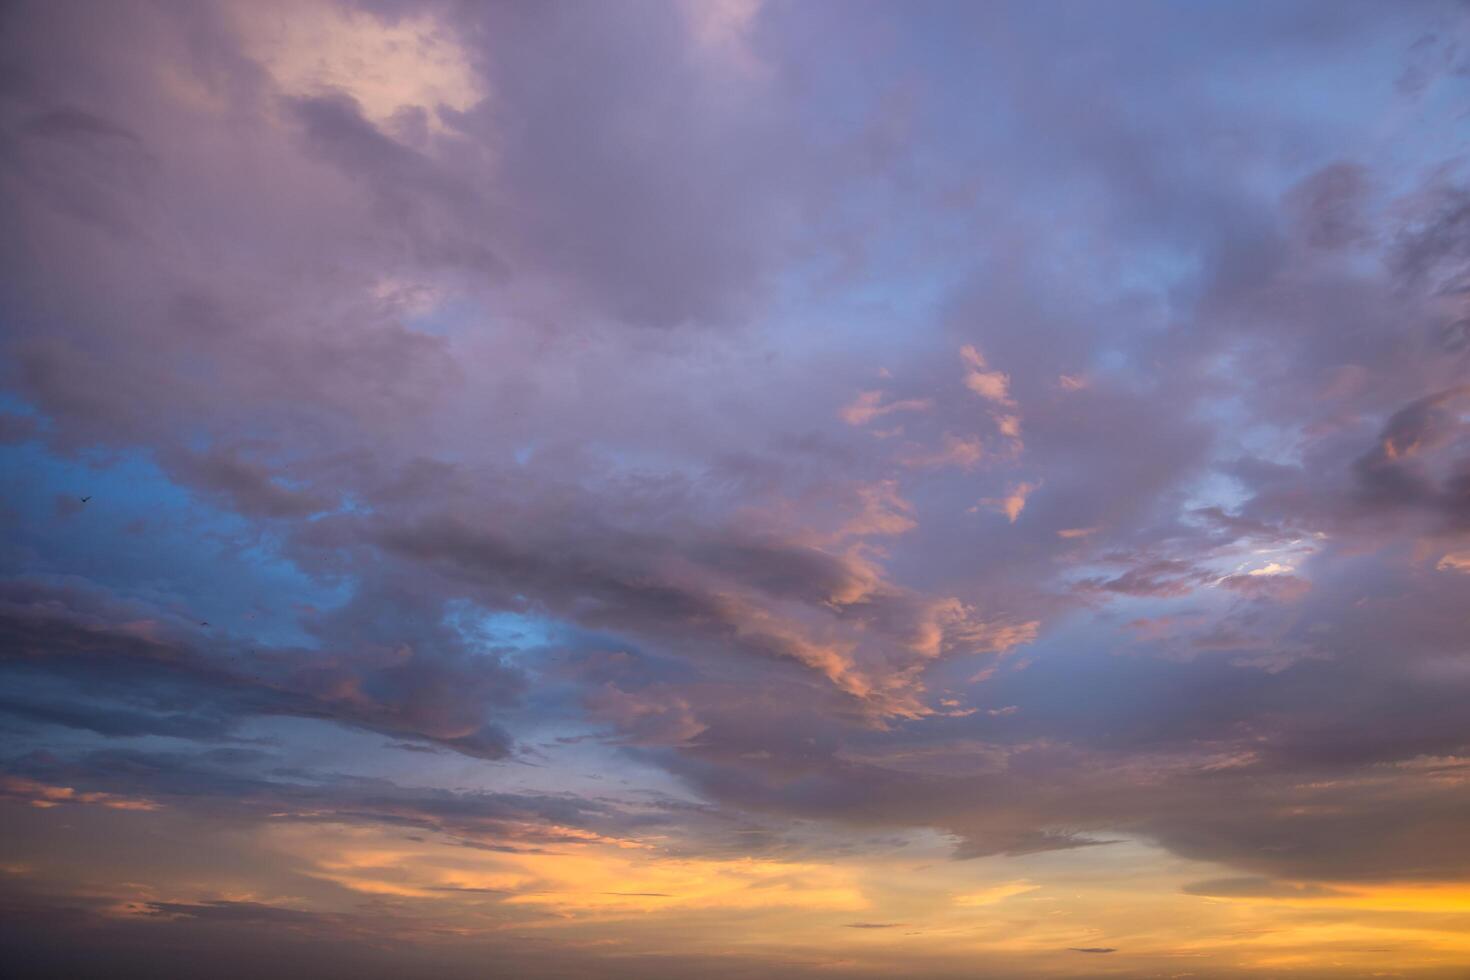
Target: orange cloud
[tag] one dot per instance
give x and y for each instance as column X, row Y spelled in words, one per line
column 955, row 450
column 991, row 385
column 994, row 387
column 881, row 511
column 1014, row 502
column 44, row 796
column 997, row 893
column 869, row 405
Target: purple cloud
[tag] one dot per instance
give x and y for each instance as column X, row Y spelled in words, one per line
column 637, row 424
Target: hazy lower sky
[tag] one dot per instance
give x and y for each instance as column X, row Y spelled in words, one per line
column 734, row 489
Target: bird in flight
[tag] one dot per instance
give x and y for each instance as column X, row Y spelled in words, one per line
column 86, row 498
column 204, row 623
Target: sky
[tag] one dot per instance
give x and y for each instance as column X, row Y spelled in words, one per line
column 735, row 489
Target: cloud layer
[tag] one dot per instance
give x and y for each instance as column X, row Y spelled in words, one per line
column 531, row 463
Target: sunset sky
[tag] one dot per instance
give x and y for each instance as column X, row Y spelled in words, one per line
column 730, row 489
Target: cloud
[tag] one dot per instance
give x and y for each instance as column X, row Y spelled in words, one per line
column 249, row 488
column 1455, row 561
column 226, row 911
column 505, row 366
column 1329, row 204
column 1014, row 502
column 962, row 452
column 1162, row 577
column 249, row 787
column 993, row 386
column 415, row 63
column 1258, row 887
column 653, row 716
column 882, row 510
column 43, row 796
column 996, row 893
column 1396, row 476
column 431, row 691
column 1275, row 584
column 870, row 405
